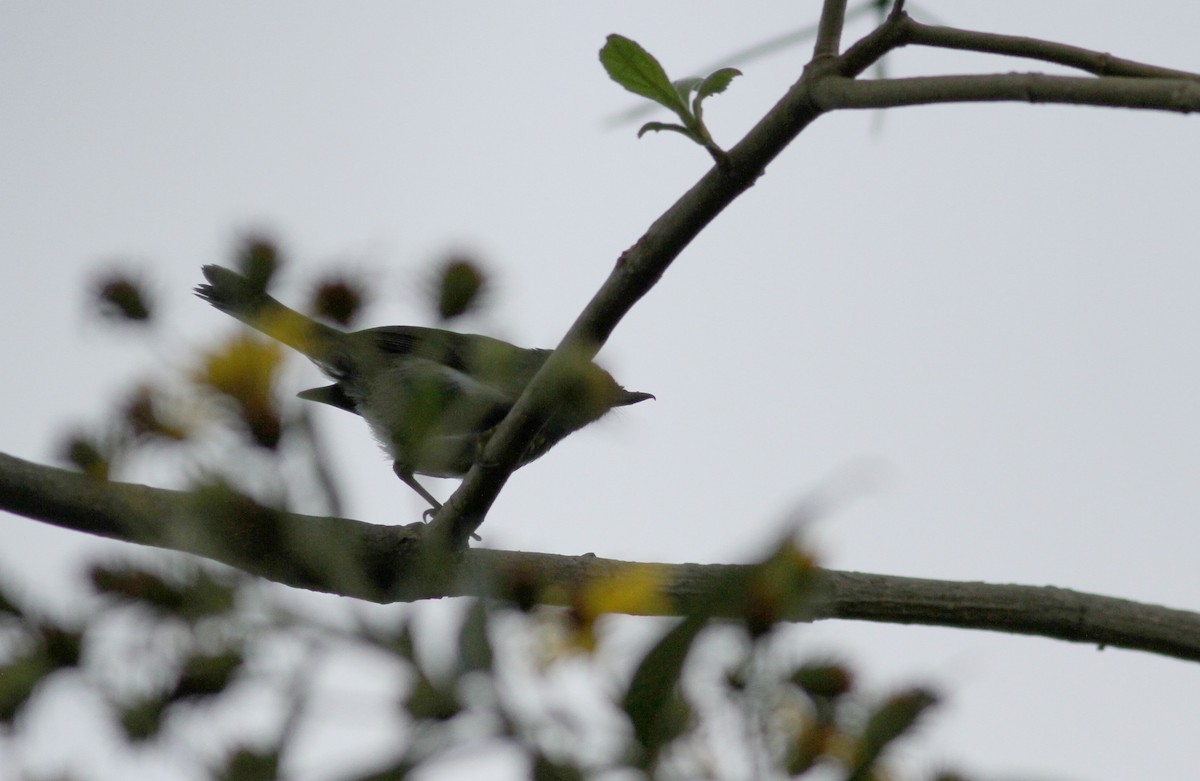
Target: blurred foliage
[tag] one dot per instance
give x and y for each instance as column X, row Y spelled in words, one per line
column 339, row 298
column 243, row 370
column 258, row 258
column 196, row 641
column 760, row 713
column 459, row 287
column 121, row 296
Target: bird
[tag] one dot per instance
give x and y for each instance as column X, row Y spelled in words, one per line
column 430, row 396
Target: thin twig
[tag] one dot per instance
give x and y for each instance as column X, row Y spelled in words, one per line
column 870, row 49
column 1181, row 95
column 829, row 29
column 1094, row 62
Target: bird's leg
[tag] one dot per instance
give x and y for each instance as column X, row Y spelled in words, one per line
column 406, row 474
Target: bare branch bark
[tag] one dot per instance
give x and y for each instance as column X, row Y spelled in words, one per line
column 388, row 564
column 829, row 29
column 1090, row 61
column 901, row 30
column 1181, row 95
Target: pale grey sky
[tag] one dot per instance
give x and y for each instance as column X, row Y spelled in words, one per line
column 997, row 304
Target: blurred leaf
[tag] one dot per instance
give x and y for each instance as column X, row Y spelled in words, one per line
column 635, row 69
column 249, row 765
column 258, row 258
column 143, row 414
column 474, row 646
column 143, row 719
column 889, row 721
column 431, row 701
column 546, row 769
column 205, row 675
column 244, row 370
column 807, row 748
column 9, row 606
column 398, row 771
column 18, row 680
column 652, row 701
column 773, row 590
column 823, row 680
column 121, row 297
column 460, row 286
column 636, row 589
column 949, row 775
column 61, row 646
column 339, row 300
column 88, row 456
column 522, row 586
column 201, row 595
column 398, row 641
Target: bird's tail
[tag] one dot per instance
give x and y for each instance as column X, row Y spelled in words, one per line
column 240, row 297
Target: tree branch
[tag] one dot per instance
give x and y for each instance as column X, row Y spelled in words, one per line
column 387, row 564
column 825, row 86
column 636, row 271
column 837, row 92
column 325, row 554
column 901, row 30
column 829, row 29
column 870, row 48
column 1094, row 62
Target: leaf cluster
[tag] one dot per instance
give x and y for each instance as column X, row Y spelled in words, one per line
column 635, row 69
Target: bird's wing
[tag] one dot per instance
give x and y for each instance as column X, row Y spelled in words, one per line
column 504, row 368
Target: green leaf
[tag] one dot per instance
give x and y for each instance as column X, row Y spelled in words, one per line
column 829, row 681
column 890, row 720
column 655, row 709
column 199, row 596
column 459, row 286
column 18, row 679
column 546, row 769
column 206, row 675
column 142, row 720
column 685, row 87
column 431, row 700
column 657, row 126
column 474, row 647
column 716, row 82
column 246, row 764
column 635, row 69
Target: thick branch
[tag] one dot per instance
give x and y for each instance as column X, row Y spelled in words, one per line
column 386, row 564
column 326, row 554
column 1182, row 95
